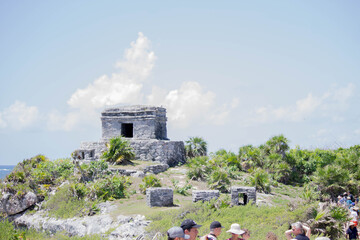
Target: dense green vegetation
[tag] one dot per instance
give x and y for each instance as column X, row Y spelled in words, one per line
column 87, row 184
column 195, row 147
column 272, row 167
column 323, row 173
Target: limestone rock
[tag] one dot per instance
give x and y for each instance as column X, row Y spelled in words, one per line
column 126, row 227
column 11, row 204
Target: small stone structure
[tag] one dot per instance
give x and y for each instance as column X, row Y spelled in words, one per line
column 155, row 169
column 242, row 195
column 145, row 129
column 159, row 197
column 205, row 195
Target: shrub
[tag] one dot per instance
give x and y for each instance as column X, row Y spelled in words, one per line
column 181, row 190
column 112, row 187
column 8, row 232
column 64, row 204
column 195, row 147
column 119, row 151
column 198, row 168
column 94, row 170
column 149, row 181
column 219, row 180
column 261, row 180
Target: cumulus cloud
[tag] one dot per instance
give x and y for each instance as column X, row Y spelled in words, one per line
column 330, row 103
column 190, row 103
column 19, row 116
column 124, row 86
column 185, row 105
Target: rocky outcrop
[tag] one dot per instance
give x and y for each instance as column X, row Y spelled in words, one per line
column 11, row 204
column 124, row 227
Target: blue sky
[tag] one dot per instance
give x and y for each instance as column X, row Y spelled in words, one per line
column 232, row 72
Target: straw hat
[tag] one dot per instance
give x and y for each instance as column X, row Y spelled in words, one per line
column 235, row 229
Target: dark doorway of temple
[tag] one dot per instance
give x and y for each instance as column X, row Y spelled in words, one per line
column 127, row 130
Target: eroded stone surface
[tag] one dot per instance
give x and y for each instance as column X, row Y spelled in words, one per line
column 204, row 195
column 126, row 227
column 249, row 194
column 159, row 197
column 11, row 204
column 144, row 127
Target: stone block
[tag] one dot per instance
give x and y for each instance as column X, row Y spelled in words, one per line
column 243, row 195
column 205, row 195
column 159, row 197
column 155, row 169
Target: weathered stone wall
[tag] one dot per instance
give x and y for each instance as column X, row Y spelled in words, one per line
column 147, row 125
column 159, row 197
column 163, row 151
column 166, row 152
column 155, row 169
column 205, row 195
column 148, row 122
column 98, row 147
column 250, row 193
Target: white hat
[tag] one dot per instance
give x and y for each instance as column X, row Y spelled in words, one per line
column 235, row 229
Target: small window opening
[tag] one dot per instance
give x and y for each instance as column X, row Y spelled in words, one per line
column 92, row 153
column 243, row 199
column 127, row 130
column 82, row 155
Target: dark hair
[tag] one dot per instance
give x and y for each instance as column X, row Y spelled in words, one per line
column 169, row 238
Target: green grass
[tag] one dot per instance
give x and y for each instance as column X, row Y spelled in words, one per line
column 63, row 205
column 259, row 220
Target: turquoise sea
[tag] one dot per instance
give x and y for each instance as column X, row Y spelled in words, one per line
column 5, row 170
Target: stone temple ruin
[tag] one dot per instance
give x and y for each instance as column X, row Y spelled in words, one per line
column 144, row 127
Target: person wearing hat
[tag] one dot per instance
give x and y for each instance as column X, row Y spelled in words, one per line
column 190, row 228
column 352, row 232
column 354, row 215
column 215, row 231
column 235, row 231
column 177, row 233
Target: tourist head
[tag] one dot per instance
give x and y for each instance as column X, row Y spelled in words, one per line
column 246, row 235
column 177, row 233
column 235, row 229
column 351, row 224
column 190, row 228
column 215, row 228
column 271, row 236
column 297, row 228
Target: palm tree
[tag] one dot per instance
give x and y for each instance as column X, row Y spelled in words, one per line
column 278, row 144
column 195, row 147
column 119, row 151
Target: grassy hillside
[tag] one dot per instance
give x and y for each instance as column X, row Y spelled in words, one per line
column 290, row 184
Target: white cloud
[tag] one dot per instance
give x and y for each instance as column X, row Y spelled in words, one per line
column 122, row 87
column 19, row 116
column 125, row 86
column 331, row 103
column 190, row 103
column 185, row 104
